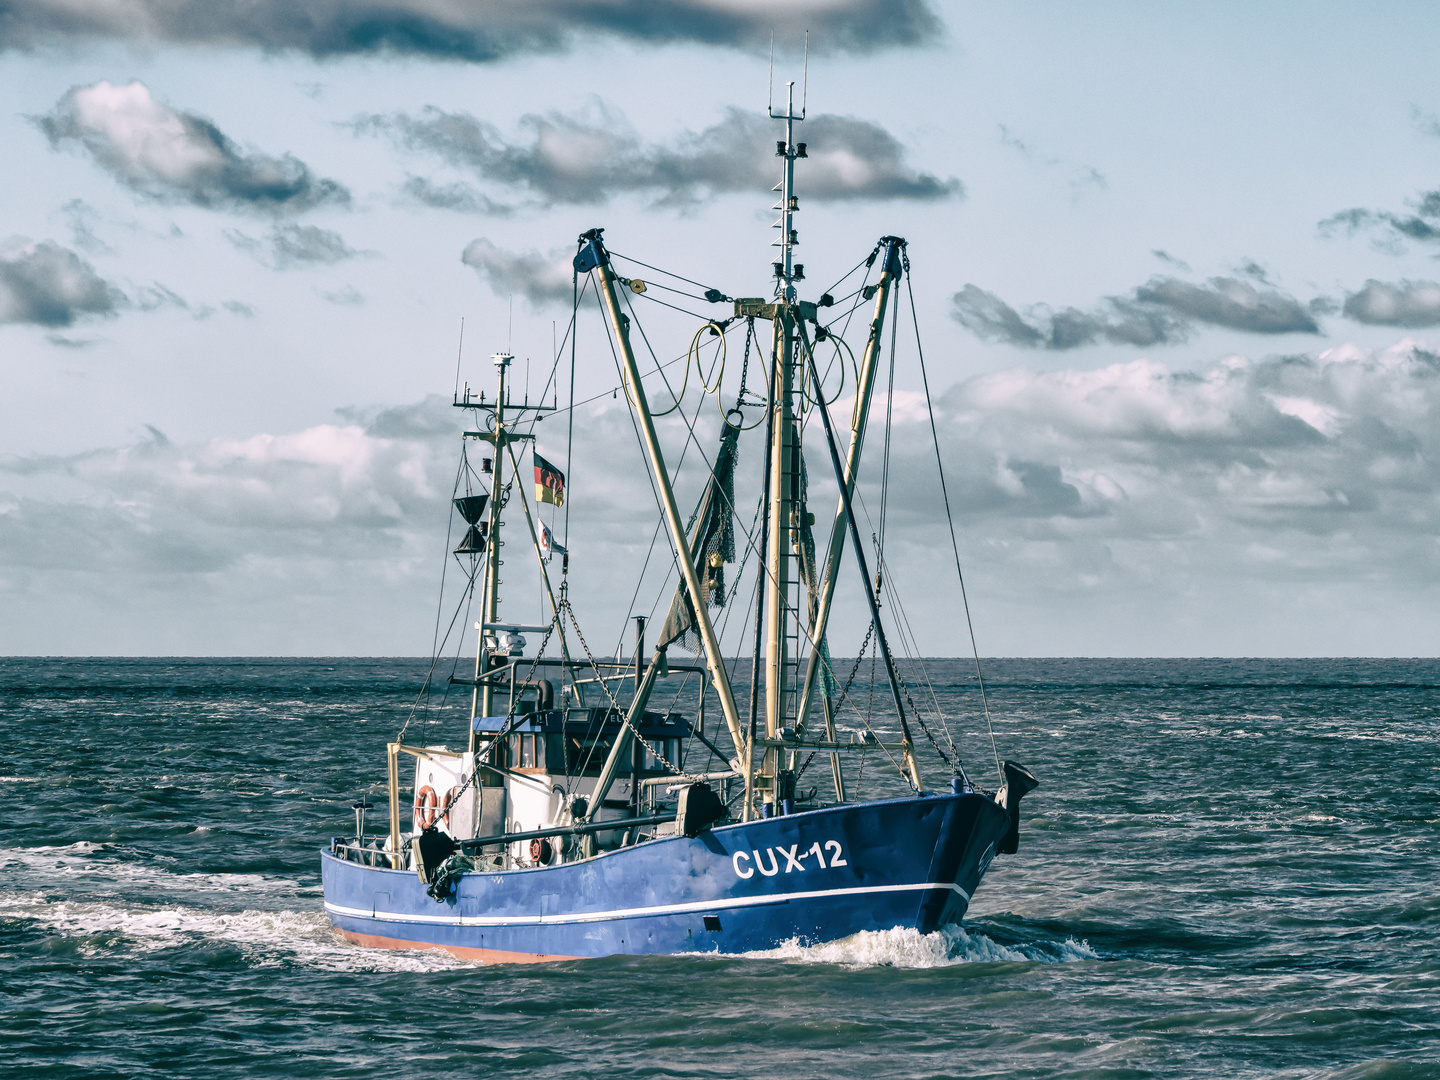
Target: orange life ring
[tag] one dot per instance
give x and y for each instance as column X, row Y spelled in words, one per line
column 425, row 806
column 447, row 803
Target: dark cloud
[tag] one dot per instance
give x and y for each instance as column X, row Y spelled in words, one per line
column 1119, row 321
column 1162, row 311
column 1408, row 303
column 1422, row 225
column 71, row 342
column 1252, row 269
column 539, row 278
column 480, row 30
column 178, row 157
column 288, row 246
column 155, row 296
column 985, row 315
column 589, row 157
column 460, row 197
column 1230, row 303
column 1427, row 123
column 1171, row 260
column 47, row 285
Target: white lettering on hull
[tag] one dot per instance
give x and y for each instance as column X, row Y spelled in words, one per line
column 794, row 859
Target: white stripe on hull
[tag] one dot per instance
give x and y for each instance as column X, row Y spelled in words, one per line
column 630, row 913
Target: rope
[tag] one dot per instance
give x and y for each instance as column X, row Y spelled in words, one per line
column 950, row 520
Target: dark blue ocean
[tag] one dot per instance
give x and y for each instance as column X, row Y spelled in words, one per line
column 1231, row 869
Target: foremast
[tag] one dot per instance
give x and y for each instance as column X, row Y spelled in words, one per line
column 495, row 639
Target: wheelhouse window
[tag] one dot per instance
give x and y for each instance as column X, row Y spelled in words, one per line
column 522, row 750
column 670, row 748
column 586, row 755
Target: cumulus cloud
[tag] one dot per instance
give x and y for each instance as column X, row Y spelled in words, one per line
column 47, row 285
column 1406, row 303
column 288, row 246
column 1291, row 484
column 334, row 487
column 1102, row 502
column 1163, row 310
column 539, row 278
column 1295, row 473
column 1299, row 441
column 177, row 157
column 591, row 156
column 479, row 31
column 328, row 539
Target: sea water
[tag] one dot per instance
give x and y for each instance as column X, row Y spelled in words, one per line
column 1231, row 869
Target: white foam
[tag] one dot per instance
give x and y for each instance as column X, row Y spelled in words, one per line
column 95, row 862
column 267, row 937
column 906, row 947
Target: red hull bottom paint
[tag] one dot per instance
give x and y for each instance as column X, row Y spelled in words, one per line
column 488, row 956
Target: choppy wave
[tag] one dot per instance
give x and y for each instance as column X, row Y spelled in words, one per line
column 1258, row 908
column 906, row 947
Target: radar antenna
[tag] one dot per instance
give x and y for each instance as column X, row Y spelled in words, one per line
column 787, row 271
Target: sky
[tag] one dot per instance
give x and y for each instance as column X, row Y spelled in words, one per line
column 1174, row 275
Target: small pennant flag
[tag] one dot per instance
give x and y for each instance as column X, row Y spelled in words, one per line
column 549, row 546
column 549, row 483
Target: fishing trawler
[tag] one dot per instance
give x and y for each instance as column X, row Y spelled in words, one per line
column 576, row 821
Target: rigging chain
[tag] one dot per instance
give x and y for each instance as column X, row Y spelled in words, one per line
column 740, row 396
column 624, row 717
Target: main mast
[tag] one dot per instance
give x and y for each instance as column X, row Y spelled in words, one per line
column 785, row 506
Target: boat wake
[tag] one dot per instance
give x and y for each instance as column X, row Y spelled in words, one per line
column 105, row 866
column 906, row 947
column 116, row 901
column 264, row 938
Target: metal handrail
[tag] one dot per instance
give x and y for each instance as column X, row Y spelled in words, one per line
column 481, row 842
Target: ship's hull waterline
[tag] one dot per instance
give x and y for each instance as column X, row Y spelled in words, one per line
column 812, row 876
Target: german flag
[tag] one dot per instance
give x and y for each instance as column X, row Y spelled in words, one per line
column 549, row 483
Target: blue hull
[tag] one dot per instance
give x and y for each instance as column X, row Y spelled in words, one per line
column 813, row 876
